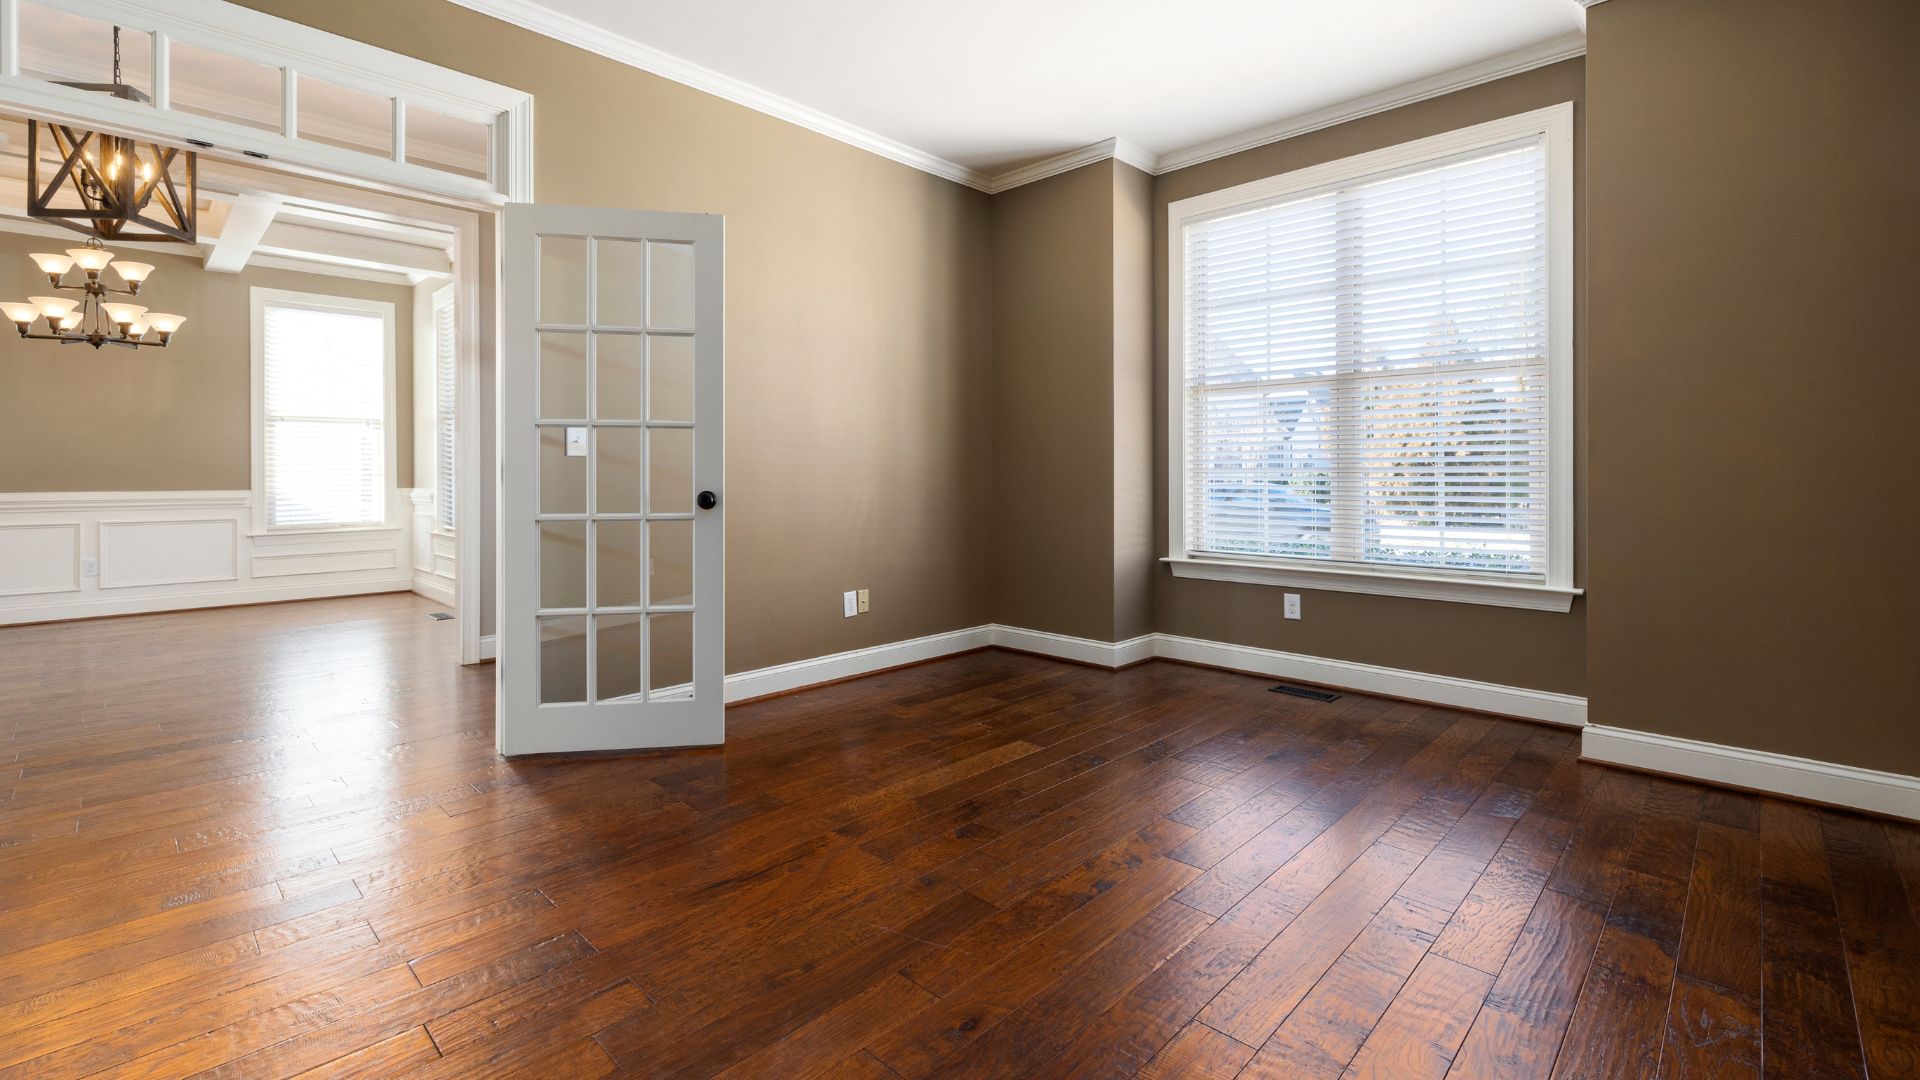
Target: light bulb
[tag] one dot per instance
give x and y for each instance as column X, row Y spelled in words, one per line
column 51, row 264
column 132, row 272
column 123, row 314
column 91, row 259
column 53, row 307
column 24, row 314
column 164, row 323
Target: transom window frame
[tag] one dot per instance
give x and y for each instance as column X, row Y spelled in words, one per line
column 295, row 50
column 258, row 300
column 1557, row 591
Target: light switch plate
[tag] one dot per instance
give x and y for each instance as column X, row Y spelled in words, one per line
column 576, row 442
column 849, row 604
column 90, row 568
column 1292, row 609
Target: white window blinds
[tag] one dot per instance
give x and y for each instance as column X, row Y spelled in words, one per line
column 324, row 414
column 443, row 411
column 1366, row 372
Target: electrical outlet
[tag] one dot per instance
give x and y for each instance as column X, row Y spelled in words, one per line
column 1292, row 610
column 863, row 602
column 849, row 604
column 90, row 568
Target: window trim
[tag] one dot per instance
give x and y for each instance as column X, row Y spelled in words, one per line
column 1555, row 123
column 258, row 300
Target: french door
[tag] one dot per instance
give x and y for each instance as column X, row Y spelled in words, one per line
column 610, row 629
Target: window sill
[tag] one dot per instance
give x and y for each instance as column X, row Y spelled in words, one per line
column 1452, row 590
column 309, row 532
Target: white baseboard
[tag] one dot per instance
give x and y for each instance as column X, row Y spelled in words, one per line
column 821, row 669
column 1838, row 785
column 1115, row 654
column 184, row 601
column 489, row 646
column 434, row 587
column 1564, row 709
column 1543, row 705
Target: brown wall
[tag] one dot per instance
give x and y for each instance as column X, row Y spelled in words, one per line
column 1136, row 553
column 1053, row 438
column 1533, row 649
column 72, row 419
column 858, row 363
column 1754, row 193
column 1073, row 403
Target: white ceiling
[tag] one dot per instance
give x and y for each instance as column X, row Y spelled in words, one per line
column 993, row 85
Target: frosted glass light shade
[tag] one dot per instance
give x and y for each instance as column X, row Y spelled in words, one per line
column 51, row 263
column 90, row 258
column 163, row 322
column 133, row 272
column 53, row 307
column 123, row 314
column 20, row 313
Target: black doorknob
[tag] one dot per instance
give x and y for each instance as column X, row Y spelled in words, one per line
column 707, row 500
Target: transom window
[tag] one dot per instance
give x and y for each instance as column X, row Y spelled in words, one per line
column 1373, row 369
column 224, row 76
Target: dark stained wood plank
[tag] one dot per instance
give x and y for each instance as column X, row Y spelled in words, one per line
column 1619, row 1024
column 1422, row 1029
column 1809, row 1028
column 1518, row 1031
column 1713, row 1021
column 1883, row 949
column 1254, row 1003
column 1198, row 1053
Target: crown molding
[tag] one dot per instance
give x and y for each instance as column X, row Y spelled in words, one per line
column 584, row 35
column 1552, row 51
column 1589, row 3
column 1116, row 148
column 530, row 15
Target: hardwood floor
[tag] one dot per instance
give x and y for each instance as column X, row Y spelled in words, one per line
column 276, row 841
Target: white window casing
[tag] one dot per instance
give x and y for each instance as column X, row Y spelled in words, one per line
column 1370, row 386
column 323, row 412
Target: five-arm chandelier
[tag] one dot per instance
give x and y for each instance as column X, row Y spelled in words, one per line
column 93, row 319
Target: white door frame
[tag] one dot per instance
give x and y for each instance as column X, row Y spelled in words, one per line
column 309, row 169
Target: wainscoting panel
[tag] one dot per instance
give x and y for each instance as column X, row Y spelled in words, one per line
column 39, row 558
column 70, row 555
column 138, row 554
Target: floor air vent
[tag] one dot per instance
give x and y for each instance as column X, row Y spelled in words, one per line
column 1307, row 692
column 438, row 616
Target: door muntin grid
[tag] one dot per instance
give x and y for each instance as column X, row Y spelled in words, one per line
column 615, row 525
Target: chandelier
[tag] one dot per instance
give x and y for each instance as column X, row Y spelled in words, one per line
column 92, row 319
column 112, row 182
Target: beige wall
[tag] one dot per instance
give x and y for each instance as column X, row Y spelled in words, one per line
column 72, row 419
column 1072, row 404
column 1754, row 193
column 1053, row 386
column 1533, row 649
column 858, row 365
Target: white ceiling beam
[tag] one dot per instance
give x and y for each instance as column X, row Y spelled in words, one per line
column 314, row 245
column 247, row 221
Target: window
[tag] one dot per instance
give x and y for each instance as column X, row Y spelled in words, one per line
column 1372, row 372
column 443, row 411
column 323, row 396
